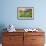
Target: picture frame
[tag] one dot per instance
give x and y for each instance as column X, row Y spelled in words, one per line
column 25, row 13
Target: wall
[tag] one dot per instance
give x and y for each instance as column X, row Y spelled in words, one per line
column 9, row 13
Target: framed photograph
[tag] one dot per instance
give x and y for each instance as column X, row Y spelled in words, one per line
column 25, row 13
